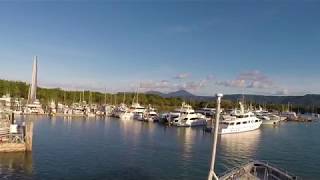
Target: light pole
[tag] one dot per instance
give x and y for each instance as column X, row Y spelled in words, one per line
column 215, row 139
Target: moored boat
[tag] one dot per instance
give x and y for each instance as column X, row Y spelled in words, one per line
column 188, row 117
column 254, row 170
column 238, row 122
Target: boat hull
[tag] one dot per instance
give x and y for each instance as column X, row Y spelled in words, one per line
column 241, row 129
column 270, row 122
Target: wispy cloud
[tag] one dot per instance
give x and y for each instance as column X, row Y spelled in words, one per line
column 165, row 85
column 155, row 85
column 251, row 79
column 232, row 83
column 282, row 92
column 182, row 76
column 210, row 77
column 76, row 85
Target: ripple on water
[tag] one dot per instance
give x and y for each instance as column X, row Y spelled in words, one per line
column 116, row 149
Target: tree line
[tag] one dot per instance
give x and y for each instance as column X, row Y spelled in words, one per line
column 18, row 89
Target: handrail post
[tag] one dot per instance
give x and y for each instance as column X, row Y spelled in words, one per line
column 215, row 139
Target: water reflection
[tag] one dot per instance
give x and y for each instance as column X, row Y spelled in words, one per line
column 238, row 148
column 16, row 166
column 187, row 138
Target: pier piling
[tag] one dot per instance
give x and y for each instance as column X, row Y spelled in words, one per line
column 29, row 136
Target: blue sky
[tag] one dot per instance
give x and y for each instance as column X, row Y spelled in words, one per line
column 204, row 47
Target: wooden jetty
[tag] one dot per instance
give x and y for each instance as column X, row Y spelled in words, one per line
column 15, row 137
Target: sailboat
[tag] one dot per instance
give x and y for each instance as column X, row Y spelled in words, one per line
column 33, row 106
column 136, row 109
column 52, row 108
column 151, row 114
column 290, row 115
column 108, row 108
column 123, row 111
column 90, row 109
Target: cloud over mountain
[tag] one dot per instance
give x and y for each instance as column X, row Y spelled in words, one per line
column 182, row 76
column 250, row 79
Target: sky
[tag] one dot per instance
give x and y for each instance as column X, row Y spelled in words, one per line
column 205, row 47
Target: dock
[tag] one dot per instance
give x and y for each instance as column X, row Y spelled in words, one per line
column 15, row 137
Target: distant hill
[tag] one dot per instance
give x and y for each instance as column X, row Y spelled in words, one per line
column 180, row 93
column 183, row 94
column 307, row 100
column 156, row 93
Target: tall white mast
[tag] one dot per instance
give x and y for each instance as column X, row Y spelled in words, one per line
column 124, row 98
column 34, row 81
column 212, row 174
column 105, row 96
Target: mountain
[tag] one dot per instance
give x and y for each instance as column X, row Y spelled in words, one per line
column 156, row 93
column 306, row 100
column 180, row 93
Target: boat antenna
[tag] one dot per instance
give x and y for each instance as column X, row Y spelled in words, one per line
column 111, row 95
column 29, row 94
column 137, row 95
column 212, row 174
column 105, row 96
column 124, row 97
column 64, row 97
column 83, row 95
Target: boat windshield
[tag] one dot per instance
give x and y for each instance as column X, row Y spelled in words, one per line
column 242, row 116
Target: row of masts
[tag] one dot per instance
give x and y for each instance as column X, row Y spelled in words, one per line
column 32, row 91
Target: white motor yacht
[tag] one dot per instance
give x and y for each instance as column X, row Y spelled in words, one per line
column 137, row 111
column 290, row 115
column 207, row 112
column 34, row 108
column 269, row 119
column 240, row 122
column 120, row 110
column 151, row 115
column 188, row 117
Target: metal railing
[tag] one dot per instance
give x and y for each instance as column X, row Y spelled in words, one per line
column 238, row 171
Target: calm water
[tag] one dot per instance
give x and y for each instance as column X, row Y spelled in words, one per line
column 115, row 149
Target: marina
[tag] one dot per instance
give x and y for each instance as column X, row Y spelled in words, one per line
column 17, row 135
column 179, row 90
column 92, row 149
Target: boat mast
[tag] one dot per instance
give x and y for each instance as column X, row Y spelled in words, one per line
column 124, row 98
column 83, row 95
column 134, row 97
column 64, row 97
column 33, row 86
column 29, row 93
column 212, row 174
column 137, row 95
column 105, row 96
